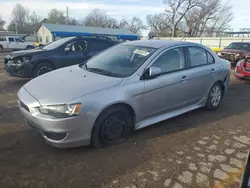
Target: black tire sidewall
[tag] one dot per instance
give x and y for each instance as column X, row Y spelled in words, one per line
column 38, row 66
column 96, row 131
column 209, row 104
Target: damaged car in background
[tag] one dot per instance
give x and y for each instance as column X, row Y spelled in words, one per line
column 242, row 69
column 235, row 51
column 61, row 53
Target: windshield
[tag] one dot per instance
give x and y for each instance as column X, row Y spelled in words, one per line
column 57, row 43
column 239, row 46
column 120, row 61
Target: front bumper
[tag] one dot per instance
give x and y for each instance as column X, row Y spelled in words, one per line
column 23, row 70
column 231, row 57
column 67, row 132
column 241, row 73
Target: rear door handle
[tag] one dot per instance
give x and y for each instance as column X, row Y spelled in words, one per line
column 183, row 78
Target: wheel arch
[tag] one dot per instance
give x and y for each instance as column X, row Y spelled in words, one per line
column 221, row 83
column 44, row 61
column 120, row 104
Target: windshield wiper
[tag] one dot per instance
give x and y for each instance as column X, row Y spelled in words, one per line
column 101, row 71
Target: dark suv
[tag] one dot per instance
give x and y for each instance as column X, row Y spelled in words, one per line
column 236, row 51
column 61, row 53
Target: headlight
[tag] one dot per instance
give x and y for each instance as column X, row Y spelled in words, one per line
column 61, row 111
column 22, row 59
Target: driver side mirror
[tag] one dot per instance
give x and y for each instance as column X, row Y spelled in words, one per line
column 152, row 72
column 67, row 49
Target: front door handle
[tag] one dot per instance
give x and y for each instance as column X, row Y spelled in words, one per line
column 183, row 78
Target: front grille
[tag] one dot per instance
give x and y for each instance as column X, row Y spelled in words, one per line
column 24, row 106
column 246, row 69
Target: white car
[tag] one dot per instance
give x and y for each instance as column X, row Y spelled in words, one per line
column 14, row 43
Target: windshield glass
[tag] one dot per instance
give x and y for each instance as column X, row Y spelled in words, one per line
column 57, row 43
column 239, row 46
column 120, row 61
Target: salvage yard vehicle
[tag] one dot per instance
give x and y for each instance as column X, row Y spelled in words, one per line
column 14, row 43
column 235, row 51
column 127, row 87
column 61, row 53
column 242, row 69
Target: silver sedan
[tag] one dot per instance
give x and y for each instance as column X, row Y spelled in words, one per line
column 127, row 87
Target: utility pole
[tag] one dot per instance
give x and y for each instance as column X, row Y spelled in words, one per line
column 67, row 17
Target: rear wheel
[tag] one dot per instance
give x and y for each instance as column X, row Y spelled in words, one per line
column 113, row 126
column 29, row 47
column 214, row 97
column 42, row 68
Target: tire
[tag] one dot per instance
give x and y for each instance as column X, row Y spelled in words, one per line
column 29, row 47
column 214, row 97
column 42, row 68
column 1, row 48
column 113, row 126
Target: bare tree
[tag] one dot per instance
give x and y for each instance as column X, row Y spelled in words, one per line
column 209, row 18
column 34, row 21
column 135, row 25
column 56, row 16
column 20, row 17
column 98, row 18
column 2, row 23
column 159, row 24
column 177, row 9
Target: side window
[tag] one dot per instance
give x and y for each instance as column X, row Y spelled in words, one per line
column 79, row 45
column 98, row 45
column 197, row 56
column 19, row 40
column 11, row 39
column 171, row 60
column 2, row 39
column 210, row 58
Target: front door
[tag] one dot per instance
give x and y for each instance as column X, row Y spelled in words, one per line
column 166, row 92
column 20, row 44
column 78, row 52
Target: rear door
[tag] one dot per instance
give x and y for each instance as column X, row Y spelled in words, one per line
column 200, row 74
column 12, row 43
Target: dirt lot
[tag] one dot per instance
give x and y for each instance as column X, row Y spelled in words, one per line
column 198, row 149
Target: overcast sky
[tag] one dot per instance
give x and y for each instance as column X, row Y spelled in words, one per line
column 116, row 8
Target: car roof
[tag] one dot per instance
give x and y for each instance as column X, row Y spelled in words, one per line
column 240, row 43
column 158, row 43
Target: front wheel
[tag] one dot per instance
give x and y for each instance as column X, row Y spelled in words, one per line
column 214, row 97
column 42, row 68
column 113, row 126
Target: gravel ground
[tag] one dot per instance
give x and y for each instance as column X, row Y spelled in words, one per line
column 198, row 149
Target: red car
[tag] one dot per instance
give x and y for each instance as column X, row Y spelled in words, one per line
column 242, row 69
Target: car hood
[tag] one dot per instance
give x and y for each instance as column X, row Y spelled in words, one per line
column 25, row 52
column 62, row 85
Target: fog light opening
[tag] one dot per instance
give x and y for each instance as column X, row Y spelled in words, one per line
column 55, row 136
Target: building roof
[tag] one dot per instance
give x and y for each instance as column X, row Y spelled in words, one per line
column 74, row 30
column 158, row 43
